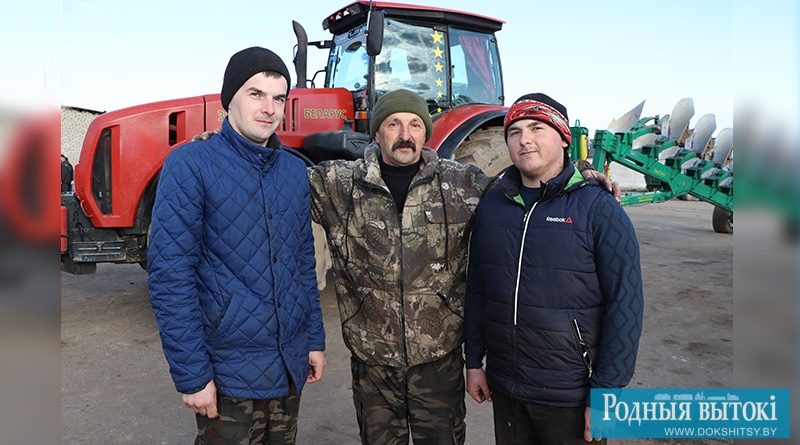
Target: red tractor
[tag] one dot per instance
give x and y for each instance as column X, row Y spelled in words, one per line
column 449, row 57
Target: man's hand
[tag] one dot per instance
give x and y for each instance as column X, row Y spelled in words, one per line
column 604, row 182
column 316, row 365
column 476, row 385
column 203, row 402
column 204, row 136
column 587, row 426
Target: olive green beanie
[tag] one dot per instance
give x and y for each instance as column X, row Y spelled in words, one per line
column 400, row 101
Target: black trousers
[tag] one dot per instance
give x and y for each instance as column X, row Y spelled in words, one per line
column 518, row 423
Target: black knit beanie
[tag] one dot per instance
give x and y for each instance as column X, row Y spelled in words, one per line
column 244, row 64
column 400, row 101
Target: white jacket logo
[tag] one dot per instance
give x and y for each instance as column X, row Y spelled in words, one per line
column 555, row 219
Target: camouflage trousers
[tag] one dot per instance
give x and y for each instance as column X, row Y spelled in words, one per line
column 251, row 422
column 426, row 399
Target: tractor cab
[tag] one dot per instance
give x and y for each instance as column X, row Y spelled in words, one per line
column 448, row 57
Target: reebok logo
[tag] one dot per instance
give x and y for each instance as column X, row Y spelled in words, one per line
column 555, row 219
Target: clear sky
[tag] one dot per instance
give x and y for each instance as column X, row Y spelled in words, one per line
column 598, row 58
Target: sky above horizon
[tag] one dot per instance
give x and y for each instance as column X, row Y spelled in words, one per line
column 600, row 59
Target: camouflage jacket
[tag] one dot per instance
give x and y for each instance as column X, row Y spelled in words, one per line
column 400, row 278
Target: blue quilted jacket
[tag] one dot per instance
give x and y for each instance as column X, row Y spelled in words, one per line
column 231, row 267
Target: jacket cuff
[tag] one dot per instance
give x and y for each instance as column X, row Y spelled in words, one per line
column 194, row 385
column 194, row 390
column 473, row 363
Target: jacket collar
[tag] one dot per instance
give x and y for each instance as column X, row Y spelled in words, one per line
column 371, row 169
column 253, row 153
column 566, row 181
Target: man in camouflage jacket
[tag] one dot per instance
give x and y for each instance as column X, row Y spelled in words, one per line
column 399, row 273
column 397, row 224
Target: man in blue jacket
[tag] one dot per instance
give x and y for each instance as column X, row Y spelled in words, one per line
column 554, row 297
column 231, row 266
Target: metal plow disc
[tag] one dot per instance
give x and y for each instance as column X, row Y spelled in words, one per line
column 723, row 144
column 680, row 117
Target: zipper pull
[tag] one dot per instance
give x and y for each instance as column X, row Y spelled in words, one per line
column 584, row 349
column 578, row 331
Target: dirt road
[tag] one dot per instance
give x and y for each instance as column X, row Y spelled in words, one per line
column 116, row 387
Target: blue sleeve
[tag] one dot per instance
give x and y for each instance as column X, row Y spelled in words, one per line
column 475, row 344
column 620, row 276
column 173, row 255
column 308, row 275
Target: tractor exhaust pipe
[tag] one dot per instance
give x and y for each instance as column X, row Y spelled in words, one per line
column 301, row 54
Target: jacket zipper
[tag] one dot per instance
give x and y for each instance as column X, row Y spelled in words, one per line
column 519, row 263
column 402, row 293
column 402, row 255
column 402, row 269
column 402, row 258
column 584, row 349
column 525, row 220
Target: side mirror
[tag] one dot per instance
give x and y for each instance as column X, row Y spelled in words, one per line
column 375, row 33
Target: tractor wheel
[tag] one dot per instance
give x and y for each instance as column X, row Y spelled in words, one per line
column 143, row 262
column 485, row 148
column 722, row 220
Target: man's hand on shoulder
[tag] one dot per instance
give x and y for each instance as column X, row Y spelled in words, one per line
column 588, row 172
column 204, row 136
column 203, row 402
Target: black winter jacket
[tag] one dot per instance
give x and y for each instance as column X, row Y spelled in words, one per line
column 554, row 297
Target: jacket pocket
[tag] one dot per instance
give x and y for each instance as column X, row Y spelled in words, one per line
column 225, row 314
column 448, row 305
column 361, row 298
column 445, row 231
column 582, row 347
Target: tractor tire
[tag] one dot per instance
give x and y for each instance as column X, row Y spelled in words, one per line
column 485, row 148
column 722, row 220
column 143, row 262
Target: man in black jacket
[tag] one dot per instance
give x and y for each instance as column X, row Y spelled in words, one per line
column 554, row 299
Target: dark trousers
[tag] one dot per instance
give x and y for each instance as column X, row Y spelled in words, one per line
column 427, row 399
column 251, row 422
column 517, row 423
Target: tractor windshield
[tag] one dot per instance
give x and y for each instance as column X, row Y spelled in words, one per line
column 413, row 57
column 348, row 63
column 445, row 65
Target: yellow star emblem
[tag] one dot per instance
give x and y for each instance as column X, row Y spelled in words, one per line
column 439, row 94
column 439, row 110
column 437, row 53
column 438, row 67
column 437, row 37
column 438, row 82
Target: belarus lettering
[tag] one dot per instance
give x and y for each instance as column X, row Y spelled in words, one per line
column 324, row 113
